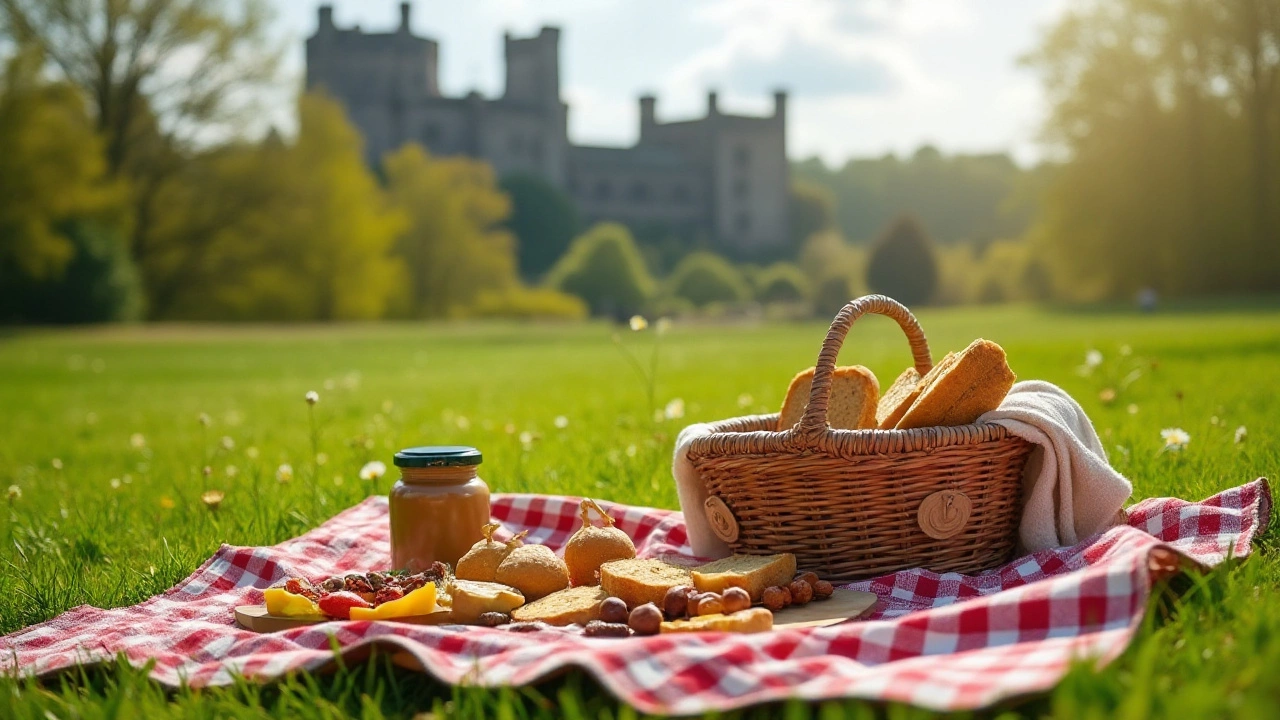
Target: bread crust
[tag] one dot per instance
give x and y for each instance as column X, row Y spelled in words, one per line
column 852, row 405
column 752, row 573
column 638, row 581
column 961, row 388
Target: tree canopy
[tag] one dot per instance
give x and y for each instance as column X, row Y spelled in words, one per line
column 543, row 220
column 902, row 263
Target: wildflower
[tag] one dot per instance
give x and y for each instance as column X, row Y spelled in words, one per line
column 126, row 478
column 674, row 409
column 373, row 470
column 1132, row 409
column 228, row 443
column 137, row 440
column 638, row 323
column 388, row 406
column 1175, row 438
column 662, row 326
column 561, row 422
column 1107, row 396
column 56, row 463
column 745, row 400
column 232, row 471
column 204, row 419
column 15, row 492
column 337, row 479
column 312, row 397
column 232, row 417
column 166, row 502
column 251, row 452
column 212, row 498
column 462, row 422
column 115, row 483
column 1241, row 434
column 321, row 458
column 1214, row 420
column 509, row 428
column 284, row 473
column 631, row 451
column 1092, row 359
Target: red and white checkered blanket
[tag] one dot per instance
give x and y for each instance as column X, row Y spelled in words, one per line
column 946, row 642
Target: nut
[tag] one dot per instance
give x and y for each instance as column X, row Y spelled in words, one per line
column 710, row 604
column 801, row 592
column 676, row 602
column 786, row 595
column 774, row 598
column 822, row 590
column 809, row 577
column 646, row 619
column 613, row 610
column 735, row 599
column 493, row 619
column 596, row 628
column 523, row 627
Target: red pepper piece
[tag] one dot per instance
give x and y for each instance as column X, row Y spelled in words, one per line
column 339, row 604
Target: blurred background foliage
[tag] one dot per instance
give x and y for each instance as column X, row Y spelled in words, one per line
column 127, row 192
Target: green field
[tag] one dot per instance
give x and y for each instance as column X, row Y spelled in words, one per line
column 105, row 436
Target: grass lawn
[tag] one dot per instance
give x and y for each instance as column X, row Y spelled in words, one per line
column 102, row 439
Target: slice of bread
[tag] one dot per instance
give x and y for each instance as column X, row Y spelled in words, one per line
column 852, row 406
column 638, row 581
column 572, row 605
column 752, row 573
column 752, row 620
column 961, row 387
column 897, row 399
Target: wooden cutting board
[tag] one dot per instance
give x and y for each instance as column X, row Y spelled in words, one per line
column 841, row 606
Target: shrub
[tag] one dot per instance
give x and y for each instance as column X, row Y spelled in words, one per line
column 781, row 283
column 544, row 221
column 604, row 268
column 703, row 278
column 902, row 263
column 99, row 284
column 833, row 293
column 528, row 304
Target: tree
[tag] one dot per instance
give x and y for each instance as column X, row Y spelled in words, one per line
column 544, row 221
column 98, row 284
column 604, row 268
column 812, row 209
column 781, row 283
column 703, row 278
column 902, row 263
column 456, row 246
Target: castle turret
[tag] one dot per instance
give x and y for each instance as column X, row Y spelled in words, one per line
column 326, row 17
column 648, row 114
column 406, row 9
column 713, row 103
column 780, row 106
column 533, row 68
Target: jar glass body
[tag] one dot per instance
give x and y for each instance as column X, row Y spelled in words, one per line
column 436, row 514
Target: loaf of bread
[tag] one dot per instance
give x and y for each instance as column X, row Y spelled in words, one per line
column 752, row 573
column 572, row 605
column 638, row 581
column 961, row 387
column 752, row 620
column 897, row 399
column 852, row 405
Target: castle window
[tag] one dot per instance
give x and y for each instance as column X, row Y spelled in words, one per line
column 743, row 223
column 741, row 188
column 640, row 192
column 604, row 190
column 741, row 156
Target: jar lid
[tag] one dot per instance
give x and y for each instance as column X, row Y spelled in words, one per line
column 438, row 456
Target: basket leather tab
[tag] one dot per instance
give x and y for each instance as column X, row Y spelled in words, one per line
column 723, row 523
column 944, row 513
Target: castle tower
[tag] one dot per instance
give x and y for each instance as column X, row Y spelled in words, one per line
column 533, row 68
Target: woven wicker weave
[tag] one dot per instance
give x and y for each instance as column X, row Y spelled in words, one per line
column 853, row 504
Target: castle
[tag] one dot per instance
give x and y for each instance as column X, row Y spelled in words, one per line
column 722, row 180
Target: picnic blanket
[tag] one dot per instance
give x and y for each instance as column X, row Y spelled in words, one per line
column 940, row 641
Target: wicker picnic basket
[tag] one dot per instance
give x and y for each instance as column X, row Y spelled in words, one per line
column 853, row 504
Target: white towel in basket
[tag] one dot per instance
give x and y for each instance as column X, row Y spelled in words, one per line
column 1069, row 490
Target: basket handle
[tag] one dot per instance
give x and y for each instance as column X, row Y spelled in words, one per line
column 814, row 422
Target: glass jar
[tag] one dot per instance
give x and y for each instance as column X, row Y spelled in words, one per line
column 438, row 507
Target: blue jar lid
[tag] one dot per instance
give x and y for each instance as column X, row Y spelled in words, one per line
column 438, row 456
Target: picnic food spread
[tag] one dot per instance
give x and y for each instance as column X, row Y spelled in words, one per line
column 438, row 507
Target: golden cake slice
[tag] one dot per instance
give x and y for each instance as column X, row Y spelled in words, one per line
column 753, row 620
column 961, row 387
column 852, row 405
column 638, row 581
column 572, row 605
column 752, row 573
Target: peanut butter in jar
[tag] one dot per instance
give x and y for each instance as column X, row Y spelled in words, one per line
column 438, row 507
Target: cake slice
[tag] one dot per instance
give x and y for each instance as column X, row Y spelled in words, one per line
column 638, row 581
column 752, row 573
column 572, row 605
column 752, row 620
column 852, row 405
column 961, row 387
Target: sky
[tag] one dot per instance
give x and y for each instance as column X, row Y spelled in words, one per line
column 866, row 77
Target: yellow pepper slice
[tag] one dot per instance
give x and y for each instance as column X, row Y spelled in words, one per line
column 418, row 602
column 282, row 603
